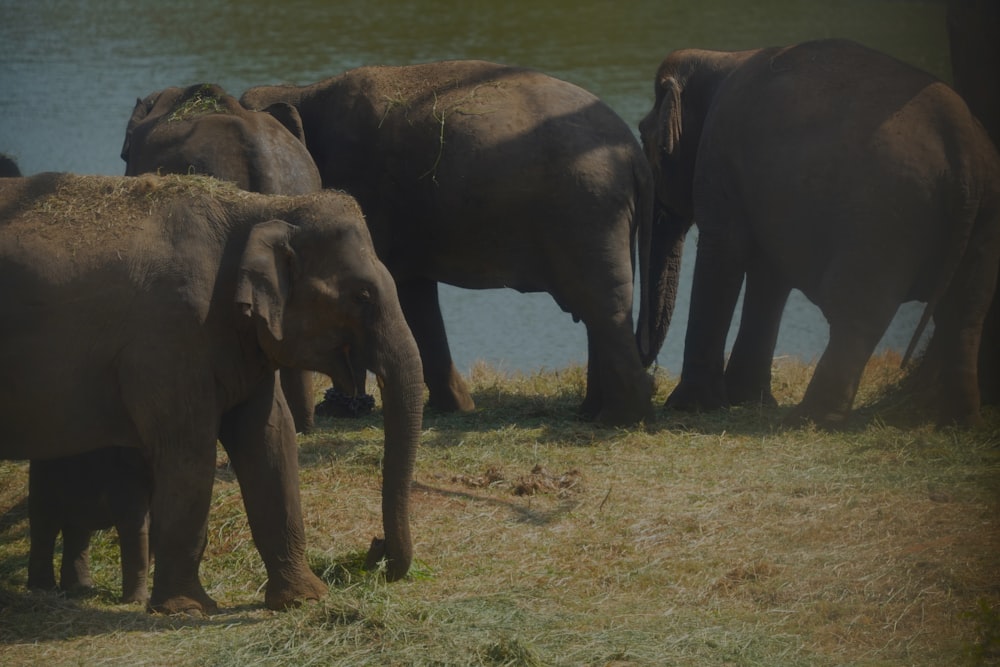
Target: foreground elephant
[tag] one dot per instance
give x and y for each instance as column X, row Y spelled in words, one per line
column 481, row 176
column 75, row 495
column 154, row 312
column 842, row 172
column 973, row 30
column 202, row 130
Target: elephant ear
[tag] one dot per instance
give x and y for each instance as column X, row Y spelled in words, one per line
column 671, row 120
column 265, row 274
column 288, row 116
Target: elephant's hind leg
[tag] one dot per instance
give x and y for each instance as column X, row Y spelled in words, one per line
column 748, row 372
column 448, row 391
column 834, row 384
column 619, row 391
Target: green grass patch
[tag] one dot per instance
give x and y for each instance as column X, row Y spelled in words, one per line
column 706, row 539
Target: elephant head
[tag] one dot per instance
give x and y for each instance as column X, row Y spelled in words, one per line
column 201, row 129
column 685, row 88
column 318, row 295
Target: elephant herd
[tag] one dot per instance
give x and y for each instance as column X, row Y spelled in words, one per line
column 200, row 306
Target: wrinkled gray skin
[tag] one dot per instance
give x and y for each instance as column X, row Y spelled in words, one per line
column 75, row 495
column 183, row 296
column 973, row 30
column 842, row 172
column 483, row 176
column 203, row 130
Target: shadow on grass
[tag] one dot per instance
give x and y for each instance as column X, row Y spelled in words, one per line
column 51, row 617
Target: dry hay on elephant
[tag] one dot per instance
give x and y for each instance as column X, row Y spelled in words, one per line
column 203, row 103
column 87, row 211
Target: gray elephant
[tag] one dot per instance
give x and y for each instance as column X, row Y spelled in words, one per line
column 182, row 296
column 482, row 176
column 842, row 172
column 75, row 495
column 8, row 167
column 201, row 129
column 973, row 27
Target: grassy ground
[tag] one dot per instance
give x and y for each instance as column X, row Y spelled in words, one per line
column 721, row 539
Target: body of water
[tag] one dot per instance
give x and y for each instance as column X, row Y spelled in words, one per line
column 71, row 70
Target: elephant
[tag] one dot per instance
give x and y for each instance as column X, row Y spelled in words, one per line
column 78, row 494
column 840, row 171
column 482, row 175
column 8, row 167
column 973, row 26
column 183, row 295
column 202, row 129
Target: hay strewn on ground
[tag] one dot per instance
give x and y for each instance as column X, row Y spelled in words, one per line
column 542, row 540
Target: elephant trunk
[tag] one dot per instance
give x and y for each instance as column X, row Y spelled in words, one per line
column 396, row 364
column 666, row 247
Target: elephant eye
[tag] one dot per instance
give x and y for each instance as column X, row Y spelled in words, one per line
column 364, row 296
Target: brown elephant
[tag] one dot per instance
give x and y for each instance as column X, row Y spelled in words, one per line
column 973, row 30
column 155, row 310
column 75, row 495
column 201, row 129
column 483, row 176
column 840, row 171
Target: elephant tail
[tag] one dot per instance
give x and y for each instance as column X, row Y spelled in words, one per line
column 661, row 244
column 971, row 215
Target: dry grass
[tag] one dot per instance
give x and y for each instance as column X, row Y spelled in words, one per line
column 722, row 539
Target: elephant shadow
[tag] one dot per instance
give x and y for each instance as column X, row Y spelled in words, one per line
column 49, row 617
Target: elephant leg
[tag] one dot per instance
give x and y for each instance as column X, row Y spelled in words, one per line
column 448, row 391
column 297, row 385
column 718, row 277
column 74, row 574
column 130, row 507
column 961, row 321
column 619, row 391
column 43, row 529
column 182, row 494
column 260, row 440
column 834, row 384
column 748, row 372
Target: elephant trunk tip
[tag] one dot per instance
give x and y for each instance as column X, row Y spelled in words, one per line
column 396, row 566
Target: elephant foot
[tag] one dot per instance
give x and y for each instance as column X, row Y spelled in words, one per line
column 755, row 396
column 199, row 605
column 451, row 402
column 697, row 396
column 292, row 591
column 395, row 568
column 830, row 420
column 335, row 403
column 135, row 596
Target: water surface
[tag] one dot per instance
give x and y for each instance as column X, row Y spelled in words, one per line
column 71, row 70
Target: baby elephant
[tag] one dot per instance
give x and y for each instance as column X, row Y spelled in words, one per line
column 79, row 494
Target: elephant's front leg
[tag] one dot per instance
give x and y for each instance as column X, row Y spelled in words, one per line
column 260, row 440
column 748, row 372
column 43, row 528
column 718, row 276
column 183, row 473
column 74, row 573
column 130, row 505
column 448, row 392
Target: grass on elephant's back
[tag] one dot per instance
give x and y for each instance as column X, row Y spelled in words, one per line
column 702, row 539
